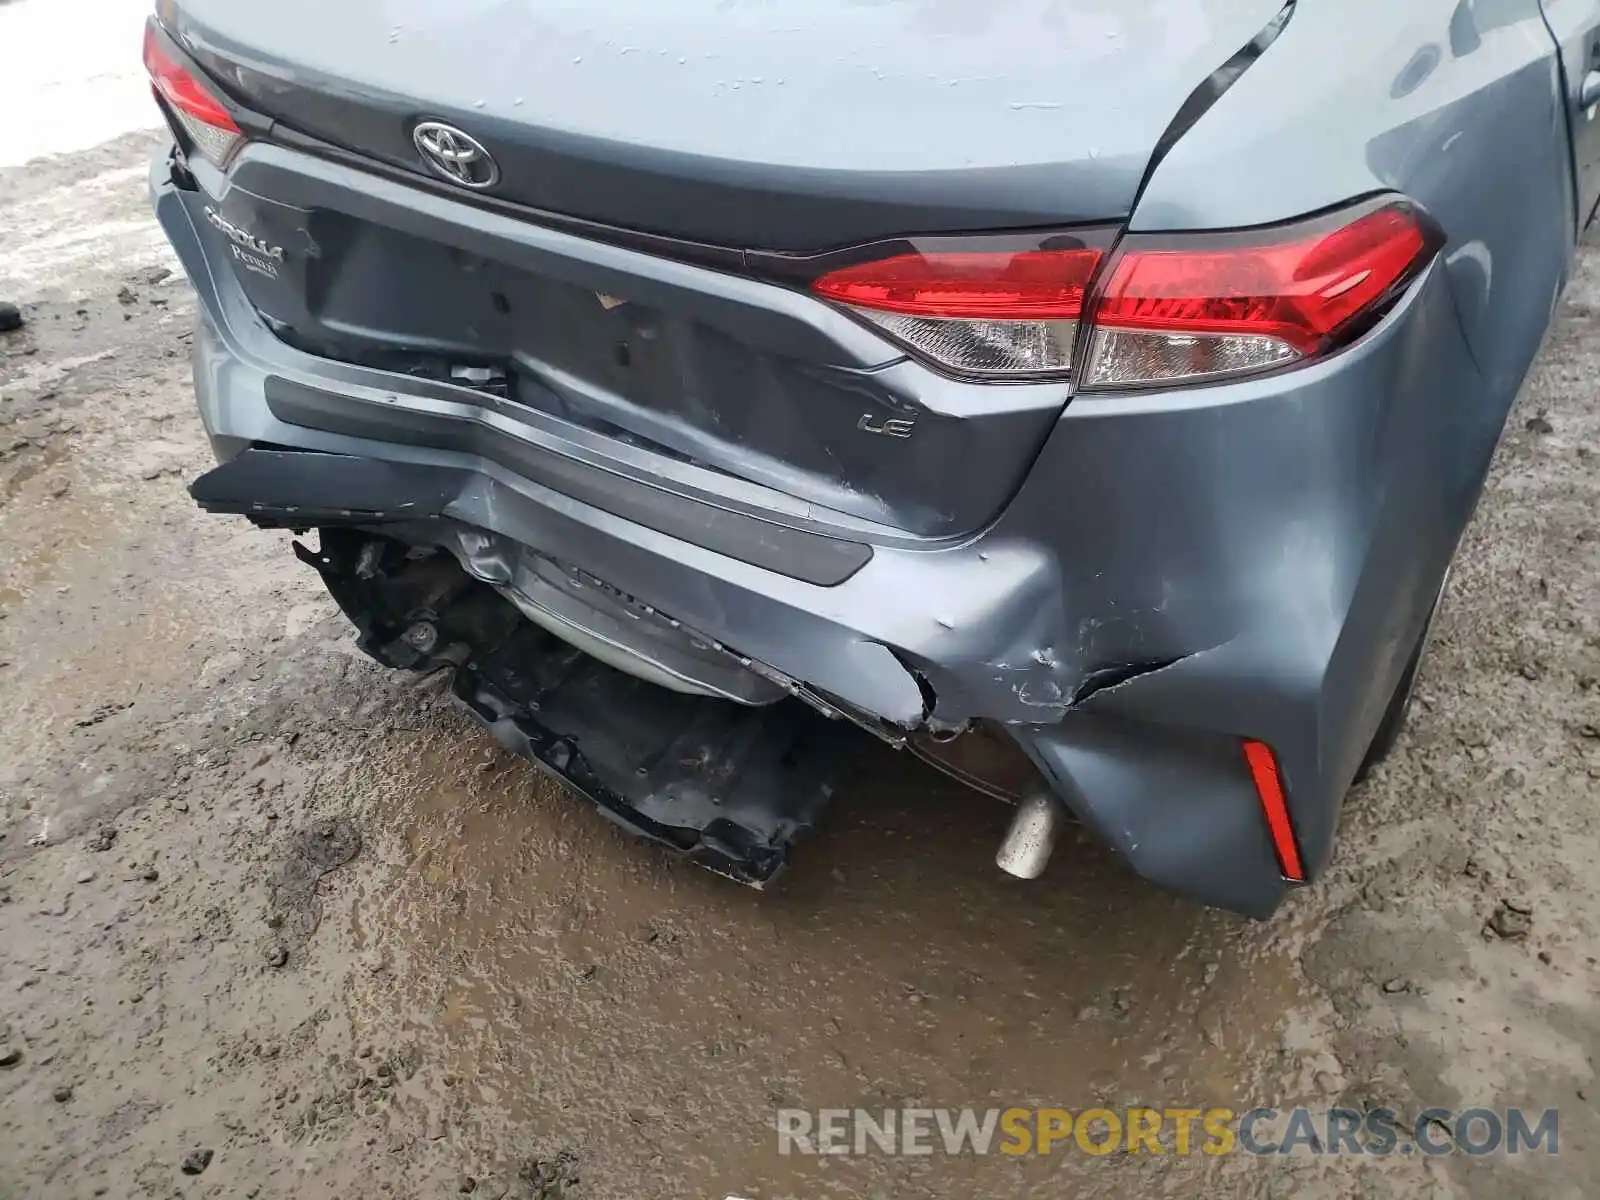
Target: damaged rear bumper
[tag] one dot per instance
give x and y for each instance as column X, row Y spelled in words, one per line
column 1179, row 572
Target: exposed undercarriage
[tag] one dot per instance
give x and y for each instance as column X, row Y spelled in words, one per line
column 728, row 784
column 729, row 780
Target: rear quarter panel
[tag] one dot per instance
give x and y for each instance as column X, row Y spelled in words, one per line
column 1460, row 106
column 1456, row 103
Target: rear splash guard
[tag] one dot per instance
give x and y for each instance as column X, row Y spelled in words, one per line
column 727, row 785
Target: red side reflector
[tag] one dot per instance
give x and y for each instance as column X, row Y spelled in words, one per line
column 1269, row 787
column 1296, row 287
column 181, row 89
column 1023, row 285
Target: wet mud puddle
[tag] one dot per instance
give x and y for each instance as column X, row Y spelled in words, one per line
column 648, row 1019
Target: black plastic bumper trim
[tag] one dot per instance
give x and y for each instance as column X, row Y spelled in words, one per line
column 307, row 488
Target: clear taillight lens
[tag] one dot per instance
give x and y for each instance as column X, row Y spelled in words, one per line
column 984, row 306
column 1138, row 358
column 985, row 347
column 1165, row 309
column 204, row 119
column 1189, row 307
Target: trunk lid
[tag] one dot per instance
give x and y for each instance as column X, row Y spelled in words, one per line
column 775, row 124
column 729, row 127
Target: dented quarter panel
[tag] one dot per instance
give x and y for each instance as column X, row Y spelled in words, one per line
column 1274, row 557
column 1475, row 130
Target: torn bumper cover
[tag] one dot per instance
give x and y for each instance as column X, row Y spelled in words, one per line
column 1178, row 573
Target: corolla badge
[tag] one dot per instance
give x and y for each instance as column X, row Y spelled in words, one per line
column 241, row 236
column 254, row 254
column 456, row 156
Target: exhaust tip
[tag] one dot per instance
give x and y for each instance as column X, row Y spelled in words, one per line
column 1029, row 842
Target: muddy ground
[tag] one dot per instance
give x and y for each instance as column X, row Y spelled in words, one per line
column 275, row 916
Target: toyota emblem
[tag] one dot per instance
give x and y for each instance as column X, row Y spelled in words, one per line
column 456, row 156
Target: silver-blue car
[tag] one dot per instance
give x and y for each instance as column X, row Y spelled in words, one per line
column 1085, row 395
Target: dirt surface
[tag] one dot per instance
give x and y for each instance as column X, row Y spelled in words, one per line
column 277, row 922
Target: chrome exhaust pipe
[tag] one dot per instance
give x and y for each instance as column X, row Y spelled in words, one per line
column 1032, row 836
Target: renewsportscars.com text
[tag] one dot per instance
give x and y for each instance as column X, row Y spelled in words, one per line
column 1178, row 1131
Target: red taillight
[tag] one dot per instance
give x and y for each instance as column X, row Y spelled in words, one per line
column 1263, row 766
column 1199, row 306
column 997, row 306
column 1168, row 308
column 1026, row 285
column 204, row 119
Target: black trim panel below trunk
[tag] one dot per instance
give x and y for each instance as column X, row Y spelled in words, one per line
column 295, row 488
